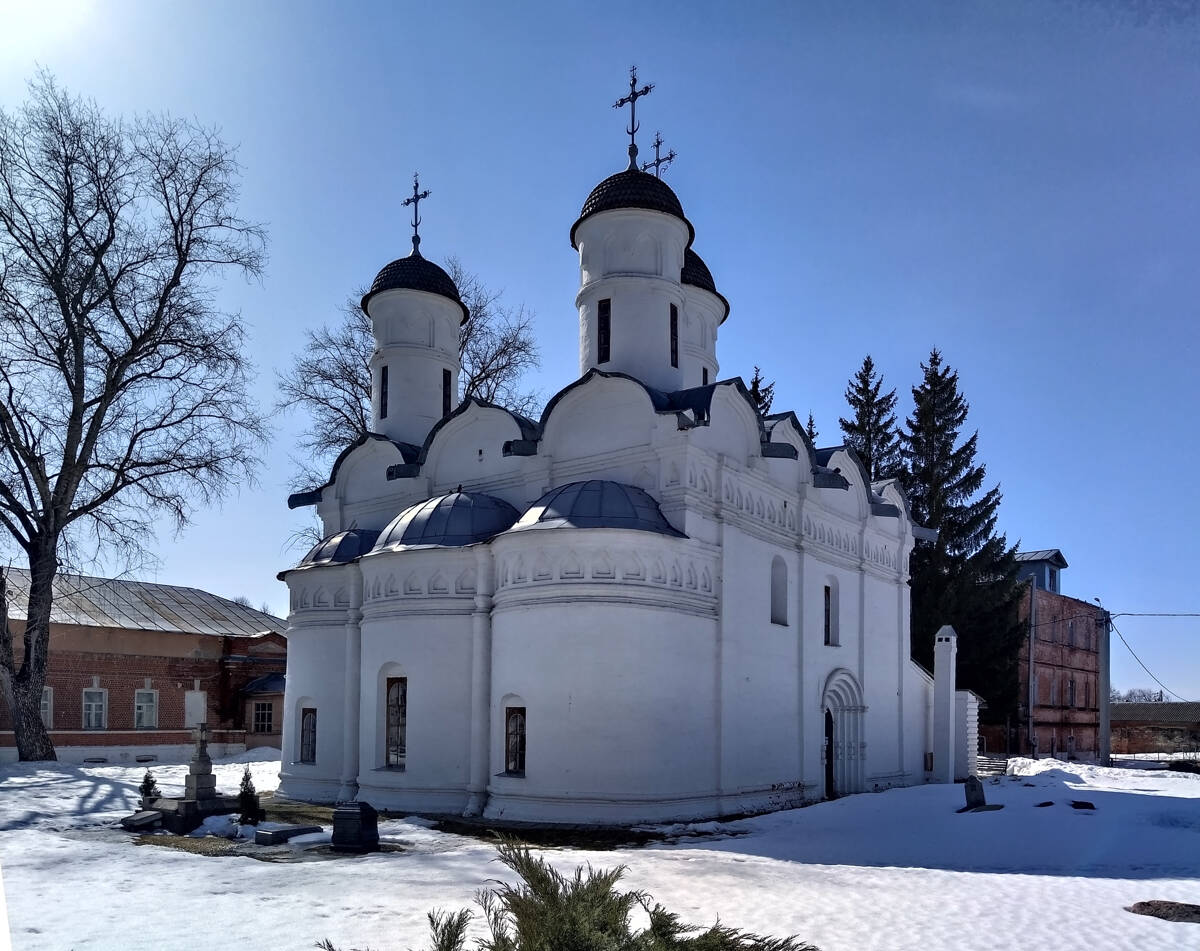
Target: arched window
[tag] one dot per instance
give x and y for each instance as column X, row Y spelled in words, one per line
column 514, row 741
column 779, row 594
column 308, row 735
column 397, row 722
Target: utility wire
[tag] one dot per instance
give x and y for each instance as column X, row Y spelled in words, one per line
column 1144, row 667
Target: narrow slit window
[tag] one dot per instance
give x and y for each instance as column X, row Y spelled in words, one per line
column 383, row 391
column 778, row 591
column 514, row 741
column 446, row 384
column 308, row 735
column 828, row 626
column 397, row 722
column 674, row 336
column 604, row 331
column 704, row 376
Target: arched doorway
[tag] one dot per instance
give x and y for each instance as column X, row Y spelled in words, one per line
column 845, row 746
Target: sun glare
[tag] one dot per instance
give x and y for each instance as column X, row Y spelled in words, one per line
column 32, row 29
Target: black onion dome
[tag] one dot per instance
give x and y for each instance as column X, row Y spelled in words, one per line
column 454, row 520
column 341, row 548
column 597, row 503
column 415, row 273
column 633, row 189
column 696, row 273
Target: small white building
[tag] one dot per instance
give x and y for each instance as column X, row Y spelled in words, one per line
column 648, row 604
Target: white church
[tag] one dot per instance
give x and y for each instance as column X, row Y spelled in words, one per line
column 649, row 604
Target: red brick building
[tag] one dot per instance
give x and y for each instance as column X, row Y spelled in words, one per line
column 1156, row 727
column 133, row 666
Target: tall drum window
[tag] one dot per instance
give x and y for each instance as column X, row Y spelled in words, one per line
column 514, row 741
column 828, row 626
column 383, row 388
column 674, row 336
column 604, row 331
column 446, row 385
column 397, row 721
column 704, row 376
column 308, row 735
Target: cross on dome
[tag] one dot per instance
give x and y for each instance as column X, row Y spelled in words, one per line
column 660, row 162
column 631, row 100
column 417, row 197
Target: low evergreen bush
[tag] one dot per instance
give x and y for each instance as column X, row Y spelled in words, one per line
column 149, row 789
column 249, row 812
column 549, row 911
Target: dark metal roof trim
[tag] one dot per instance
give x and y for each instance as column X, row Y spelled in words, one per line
column 826, row 478
column 696, row 273
column 885, row 509
column 923, row 534
column 408, row 452
column 1052, row 555
column 300, row 499
column 408, row 470
column 520, row 447
column 415, row 273
column 780, row 450
column 632, row 189
column 448, row 521
column 597, row 503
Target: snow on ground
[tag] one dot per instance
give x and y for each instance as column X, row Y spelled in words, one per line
column 896, row 870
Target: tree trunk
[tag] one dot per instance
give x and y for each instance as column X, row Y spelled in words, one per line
column 33, row 740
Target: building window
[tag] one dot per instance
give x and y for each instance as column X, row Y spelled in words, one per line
column 47, row 707
column 308, row 735
column 383, row 392
column 264, row 716
column 704, row 376
column 397, row 721
column 447, row 383
column 1071, row 633
column 1052, row 582
column 145, row 709
column 778, row 591
column 1071, row 692
column 674, row 336
column 95, row 709
column 514, row 741
column 603, row 331
column 830, row 622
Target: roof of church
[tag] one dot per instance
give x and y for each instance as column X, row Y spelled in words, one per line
column 696, row 273
column 459, row 518
column 632, row 189
column 341, row 548
column 597, row 503
column 415, row 273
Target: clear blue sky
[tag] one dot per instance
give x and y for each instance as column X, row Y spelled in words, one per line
column 1017, row 184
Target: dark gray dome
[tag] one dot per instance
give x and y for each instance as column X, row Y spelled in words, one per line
column 414, row 273
column 460, row 518
column 632, row 189
column 696, row 273
column 597, row 503
column 340, row 548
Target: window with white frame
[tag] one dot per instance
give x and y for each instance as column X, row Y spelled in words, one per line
column 514, row 741
column 264, row 716
column 145, row 709
column 95, row 709
column 397, row 722
column 47, row 707
column 308, row 735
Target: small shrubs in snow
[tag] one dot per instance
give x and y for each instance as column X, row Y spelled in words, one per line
column 549, row 911
column 249, row 812
column 149, row 789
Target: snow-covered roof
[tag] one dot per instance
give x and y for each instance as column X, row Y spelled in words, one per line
column 141, row 606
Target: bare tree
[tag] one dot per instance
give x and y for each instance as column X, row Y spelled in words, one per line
column 123, row 390
column 330, row 378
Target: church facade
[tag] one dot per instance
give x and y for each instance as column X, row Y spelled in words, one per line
column 648, row 604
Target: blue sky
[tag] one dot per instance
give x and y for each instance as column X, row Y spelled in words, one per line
column 1017, row 184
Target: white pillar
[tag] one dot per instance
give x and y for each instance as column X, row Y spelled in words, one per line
column 481, row 683
column 349, row 787
column 945, row 654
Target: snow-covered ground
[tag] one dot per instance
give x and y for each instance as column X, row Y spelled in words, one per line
column 896, row 870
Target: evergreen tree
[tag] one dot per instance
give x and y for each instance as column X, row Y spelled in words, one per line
column 811, row 428
column 761, row 392
column 967, row 577
column 872, row 431
column 149, row 789
column 248, row 808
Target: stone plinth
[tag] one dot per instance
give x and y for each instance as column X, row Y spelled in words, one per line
column 355, row 828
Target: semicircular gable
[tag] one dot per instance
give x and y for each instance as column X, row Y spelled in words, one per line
column 360, row 474
column 733, row 425
column 599, row 412
column 786, row 427
column 845, row 460
column 469, row 443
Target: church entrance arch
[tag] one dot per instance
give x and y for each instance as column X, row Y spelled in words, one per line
column 845, row 747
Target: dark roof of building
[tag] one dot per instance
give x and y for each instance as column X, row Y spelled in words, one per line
column 268, row 683
column 341, row 548
column 1155, row 712
column 141, row 606
column 696, row 273
column 415, row 273
column 408, row 452
column 460, row 518
column 597, row 503
column 632, row 189
column 1052, row 555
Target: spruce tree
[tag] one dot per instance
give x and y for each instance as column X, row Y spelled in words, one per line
column 872, row 431
column 761, row 392
column 811, row 428
column 967, row 577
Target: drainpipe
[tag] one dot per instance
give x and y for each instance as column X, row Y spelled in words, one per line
column 481, row 683
column 1032, row 668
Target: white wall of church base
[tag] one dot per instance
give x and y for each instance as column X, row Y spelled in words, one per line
column 296, row 783
column 375, row 788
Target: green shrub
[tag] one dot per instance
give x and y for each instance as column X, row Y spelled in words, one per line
column 149, row 789
column 549, row 911
column 248, row 808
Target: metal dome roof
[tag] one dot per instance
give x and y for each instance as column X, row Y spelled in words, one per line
column 597, row 503
column 460, row 518
column 340, row 548
column 415, row 273
column 632, row 189
column 696, row 273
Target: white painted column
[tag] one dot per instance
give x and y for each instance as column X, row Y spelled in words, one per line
column 349, row 787
column 945, row 657
column 481, row 682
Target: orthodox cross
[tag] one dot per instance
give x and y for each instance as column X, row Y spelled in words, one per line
column 659, row 162
column 631, row 100
column 417, row 197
